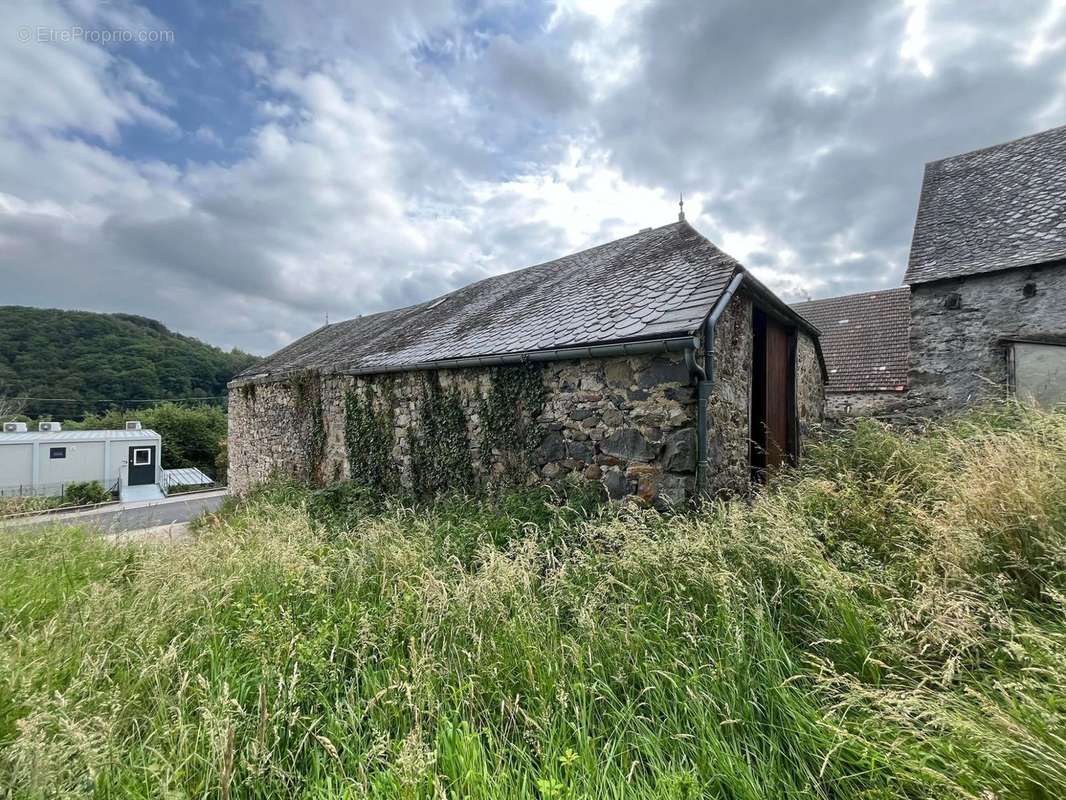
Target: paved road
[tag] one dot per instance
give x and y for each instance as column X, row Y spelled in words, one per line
column 135, row 516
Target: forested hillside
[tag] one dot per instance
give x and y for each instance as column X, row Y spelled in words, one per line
column 90, row 358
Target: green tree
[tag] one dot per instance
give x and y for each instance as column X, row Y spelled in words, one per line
column 95, row 360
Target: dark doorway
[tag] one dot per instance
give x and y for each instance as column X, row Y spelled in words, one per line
column 141, row 466
column 772, row 404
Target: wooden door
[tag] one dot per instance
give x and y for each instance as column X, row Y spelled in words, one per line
column 778, row 386
column 772, row 407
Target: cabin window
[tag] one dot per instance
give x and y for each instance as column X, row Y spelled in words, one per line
column 142, row 456
column 57, row 452
column 1039, row 372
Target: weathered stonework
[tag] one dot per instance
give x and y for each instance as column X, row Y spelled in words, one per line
column 839, row 405
column 729, row 409
column 627, row 423
column 810, row 387
column 957, row 327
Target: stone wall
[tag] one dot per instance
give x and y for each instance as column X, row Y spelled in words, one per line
column 844, row 405
column 810, row 386
column 957, row 356
column 627, row 423
column 729, row 409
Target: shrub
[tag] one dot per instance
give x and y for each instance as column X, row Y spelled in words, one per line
column 85, row 493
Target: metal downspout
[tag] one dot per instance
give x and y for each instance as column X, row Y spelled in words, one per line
column 706, row 385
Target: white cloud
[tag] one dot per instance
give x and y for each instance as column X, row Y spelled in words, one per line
column 1048, row 34
column 395, row 154
column 68, row 86
column 915, row 47
column 206, row 135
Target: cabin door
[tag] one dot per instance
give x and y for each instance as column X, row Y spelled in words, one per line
column 772, row 390
column 141, row 466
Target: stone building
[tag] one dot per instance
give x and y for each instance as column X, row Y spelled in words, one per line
column 985, row 288
column 865, row 340
column 654, row 364
column 987, row 273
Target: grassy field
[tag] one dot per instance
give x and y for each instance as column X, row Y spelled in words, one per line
column 886, row 622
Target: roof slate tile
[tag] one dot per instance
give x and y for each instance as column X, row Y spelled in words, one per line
column 865, row 339
column 992, row 209
column 661, row 281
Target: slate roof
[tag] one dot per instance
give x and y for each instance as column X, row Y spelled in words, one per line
column 864, row 339
column 654, row 284
column 992, row 209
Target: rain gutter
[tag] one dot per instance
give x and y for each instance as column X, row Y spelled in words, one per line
column 678, row 344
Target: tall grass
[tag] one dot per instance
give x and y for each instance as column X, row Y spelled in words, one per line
column 887, row 621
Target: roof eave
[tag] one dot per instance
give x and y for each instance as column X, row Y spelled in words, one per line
column 674, row 343
column 897, row 389
column 1057, row 261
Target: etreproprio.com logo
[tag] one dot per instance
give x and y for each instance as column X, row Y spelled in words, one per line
column 76, row 33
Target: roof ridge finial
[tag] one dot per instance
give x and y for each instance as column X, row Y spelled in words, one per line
column 681, row 207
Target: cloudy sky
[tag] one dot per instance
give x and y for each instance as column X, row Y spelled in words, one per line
column 241, row 170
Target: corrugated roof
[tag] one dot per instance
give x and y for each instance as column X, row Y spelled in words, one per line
column 186, row 476
column 75, row 436
column 864, row 339
column 992, row 209
column 657, row 283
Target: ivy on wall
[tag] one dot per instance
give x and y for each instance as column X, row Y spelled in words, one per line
column 440, row 448
column 442, row 451
column 306, row 390
column 509, row 428
column 368, row 437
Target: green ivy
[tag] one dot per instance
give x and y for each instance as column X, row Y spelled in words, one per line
column 440, row 451
column 307, row 397
column 439, row 437
column 509, row 417
column 368, row 438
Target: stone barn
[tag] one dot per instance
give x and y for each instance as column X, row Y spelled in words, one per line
column 987, row 274
column 865, row 340
column 655, row 365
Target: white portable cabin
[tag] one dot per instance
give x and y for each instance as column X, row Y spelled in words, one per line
column 45, row 461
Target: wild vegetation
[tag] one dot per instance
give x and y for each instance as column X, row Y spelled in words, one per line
column 77, row 493
column 26, row 504
column 886, row 622
column 98, row 360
